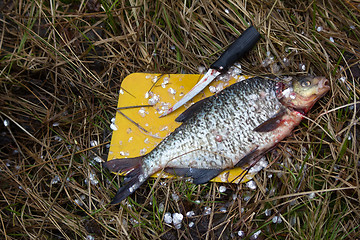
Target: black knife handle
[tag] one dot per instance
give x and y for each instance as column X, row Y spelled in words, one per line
column 237, row 49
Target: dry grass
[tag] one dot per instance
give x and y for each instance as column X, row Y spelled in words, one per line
column 62, row 63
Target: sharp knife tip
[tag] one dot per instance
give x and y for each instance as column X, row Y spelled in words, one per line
column 164, row 114
column 167, row 112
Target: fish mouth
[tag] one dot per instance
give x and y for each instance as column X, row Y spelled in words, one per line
column 324, row 85
column 323, row 88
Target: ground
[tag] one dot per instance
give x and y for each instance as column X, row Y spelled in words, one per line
column 61, row 67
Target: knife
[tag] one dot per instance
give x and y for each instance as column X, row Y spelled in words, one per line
column 233, row 53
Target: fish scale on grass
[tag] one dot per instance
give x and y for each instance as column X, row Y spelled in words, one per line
column 230, row 129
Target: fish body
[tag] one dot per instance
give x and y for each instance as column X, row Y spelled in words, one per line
column 227, row 130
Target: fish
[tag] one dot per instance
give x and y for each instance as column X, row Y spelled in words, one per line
column 233, row 128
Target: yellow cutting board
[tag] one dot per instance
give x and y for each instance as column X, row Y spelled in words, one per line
column 137, row 130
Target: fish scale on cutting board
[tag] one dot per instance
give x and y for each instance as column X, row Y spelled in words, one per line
column 131, row 141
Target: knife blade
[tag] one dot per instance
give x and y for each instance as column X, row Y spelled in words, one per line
column 233, row 53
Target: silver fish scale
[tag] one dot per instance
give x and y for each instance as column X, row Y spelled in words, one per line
column 221, row 132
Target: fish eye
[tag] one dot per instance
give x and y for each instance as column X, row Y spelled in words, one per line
column 305, row 83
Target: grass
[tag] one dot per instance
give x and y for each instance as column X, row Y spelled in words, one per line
column 61, row 67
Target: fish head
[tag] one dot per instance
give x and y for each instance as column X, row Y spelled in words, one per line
column 304, row 92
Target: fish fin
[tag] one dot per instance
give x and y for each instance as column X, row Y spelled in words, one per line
column 204, row 175
column 248, row 157
column 131, row 185
column 199, row 175
column 272, row 123
column 184, row 116
column 135, row 176
column 123, row 164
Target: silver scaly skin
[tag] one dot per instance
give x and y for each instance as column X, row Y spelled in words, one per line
column 221, row 133
column 229, row 129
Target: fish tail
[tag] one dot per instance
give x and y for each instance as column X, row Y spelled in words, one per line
column 135, row 175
